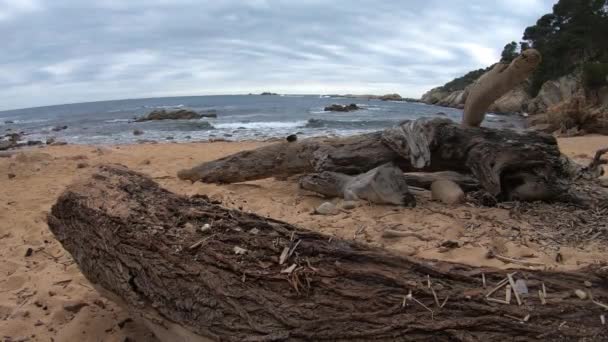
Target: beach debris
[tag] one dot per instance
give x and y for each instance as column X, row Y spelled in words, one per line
column 447, row 192
column 289, row 269
column 29, row 252
column 239, row 250
column 580, row 294
column 291, row 138
column 542, row 298
column 603, row 319
column 483, row 279
column 512, row 283
column 358, row 232
column 138, row 132
column 602, row 305
column 588, row 283
column 508, row 294
column 284, row 255
column 326, row 208
column 492, row 254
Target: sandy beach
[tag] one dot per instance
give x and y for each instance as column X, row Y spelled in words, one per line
column 43, row 296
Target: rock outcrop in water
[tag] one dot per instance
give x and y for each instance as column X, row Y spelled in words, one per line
column 342, row 108
column 179, row 114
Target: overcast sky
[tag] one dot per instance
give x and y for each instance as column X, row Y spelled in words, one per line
column 62, row 51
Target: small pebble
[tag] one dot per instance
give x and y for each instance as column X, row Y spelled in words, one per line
column 254, row 231
column 11, row 175
column 588, row 283
column 29, row 252
column 580, row 294
column 239, row 250
column 205, row 227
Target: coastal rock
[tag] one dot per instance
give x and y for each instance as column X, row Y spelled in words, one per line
column 138, row 132
column 59, row 128
column 50, row 140
column 267, row 93
column 555, row 91
column 342, row 108
column 5, row 145
column 9, row 122
column 514, row 101
column 391, row 97
column 292, row 138
column 180, row 114
column 447, row 192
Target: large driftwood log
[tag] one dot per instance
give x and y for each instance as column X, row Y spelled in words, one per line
column 508, row 164
column 249, row 278
column 495, row 83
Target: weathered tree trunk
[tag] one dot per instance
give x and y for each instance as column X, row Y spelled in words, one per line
column 495, row 83
column 254, row 279
column 508, row 164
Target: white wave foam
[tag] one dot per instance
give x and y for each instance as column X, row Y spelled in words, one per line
column 261, row 124
column 118, row 120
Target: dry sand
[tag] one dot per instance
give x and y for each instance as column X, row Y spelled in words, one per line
column 43, row 297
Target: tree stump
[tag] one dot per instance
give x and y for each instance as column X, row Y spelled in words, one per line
column 250, row 278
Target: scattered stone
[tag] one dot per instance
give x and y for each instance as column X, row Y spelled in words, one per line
column 11, row 175
column 146, row 141
column 239, row 251
column 187, row 137
column 52, row 293
column 169, row 138
column 38, row 323
column 59, row 143
column 146, row 162
column 59, row 128
column 5, row 145
column 254, row 231
column 447, row 192
column 326, row 208
column 34, row 142
column 342, row 108
column 580, row 294
column 138, row 132
column 205, row 227
column 588, row 283
column 74, row 307
column 29, row 252
column 349, row 205
column 450, row 244
column 292, row 138
column 82, row 165
column 9, row 122
column 50, row 140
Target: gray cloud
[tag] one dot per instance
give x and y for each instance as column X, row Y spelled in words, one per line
column 71, row 51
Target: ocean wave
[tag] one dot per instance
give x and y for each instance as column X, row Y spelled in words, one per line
column 19, row 121
column 167, row 106
column 359, row 124
column 261, row 124
column 118, row 120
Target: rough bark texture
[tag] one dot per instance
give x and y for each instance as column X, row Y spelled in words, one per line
column 507, row 164
column 142, row 244
column 495, row 83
